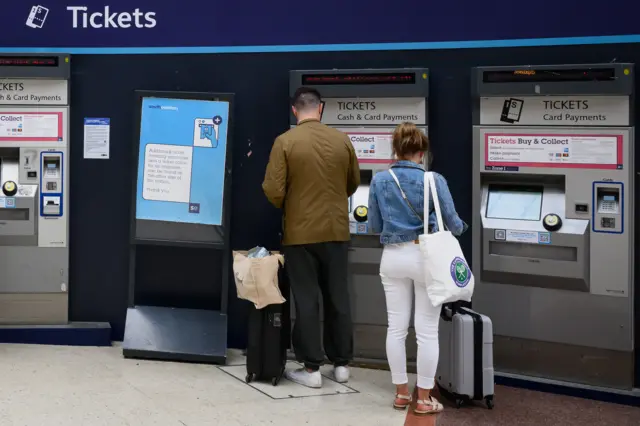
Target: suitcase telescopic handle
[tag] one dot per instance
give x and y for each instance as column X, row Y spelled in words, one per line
column 450, row 309
column 447, row 312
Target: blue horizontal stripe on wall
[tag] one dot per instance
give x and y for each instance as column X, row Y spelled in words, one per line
column 562, row 41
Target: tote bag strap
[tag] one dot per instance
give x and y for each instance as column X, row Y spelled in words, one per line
column 430, row 184
column 393, row 175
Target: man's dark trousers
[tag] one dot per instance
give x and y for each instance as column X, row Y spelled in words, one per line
column 316, row 269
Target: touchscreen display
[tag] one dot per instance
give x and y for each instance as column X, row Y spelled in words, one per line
column 514, row 202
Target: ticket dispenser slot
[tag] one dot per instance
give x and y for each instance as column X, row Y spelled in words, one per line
column 51, row 184
column 608, row 210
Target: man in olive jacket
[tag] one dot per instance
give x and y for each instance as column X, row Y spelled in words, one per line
column 312, row 172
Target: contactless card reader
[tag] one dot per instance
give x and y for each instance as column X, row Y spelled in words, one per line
column 608, row 200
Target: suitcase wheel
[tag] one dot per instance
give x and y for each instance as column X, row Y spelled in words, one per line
column 489, row 401
column 250, row 377
column 275, row 381
column 459, row 402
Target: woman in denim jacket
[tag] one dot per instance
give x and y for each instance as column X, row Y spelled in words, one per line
column 399, row 223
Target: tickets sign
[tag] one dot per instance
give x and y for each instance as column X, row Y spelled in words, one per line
column 555, row 111
column 199, row 26
column 374, row 111
column 33, row 92
column 553, row 150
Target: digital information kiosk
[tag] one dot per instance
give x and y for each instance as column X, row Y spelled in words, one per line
column 367, row 105
column 34, row 178
column 554, row 218
column 181, row 198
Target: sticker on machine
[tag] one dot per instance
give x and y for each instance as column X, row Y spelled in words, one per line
column 528, row 237
column 553, row 150
column 358, row 228
column 34, row 126
column 372, row 147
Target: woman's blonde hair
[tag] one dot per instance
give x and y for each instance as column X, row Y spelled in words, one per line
column 408, row 140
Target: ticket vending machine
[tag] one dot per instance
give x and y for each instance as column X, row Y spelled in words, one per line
column 367, row 105
column 553, row 224
column 34, row 198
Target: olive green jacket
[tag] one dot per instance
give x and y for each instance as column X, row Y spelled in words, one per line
column 312, row 172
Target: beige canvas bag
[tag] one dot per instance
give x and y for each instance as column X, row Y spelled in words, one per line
column 257, row 278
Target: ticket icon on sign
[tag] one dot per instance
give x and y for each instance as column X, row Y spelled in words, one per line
column 206, row 132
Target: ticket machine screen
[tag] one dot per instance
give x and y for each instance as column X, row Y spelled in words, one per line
column 514, row 202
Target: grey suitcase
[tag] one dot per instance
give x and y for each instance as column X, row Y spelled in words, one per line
column 465, row 371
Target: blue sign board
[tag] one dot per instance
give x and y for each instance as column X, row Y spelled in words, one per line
column 181, row 162
column 200, row 26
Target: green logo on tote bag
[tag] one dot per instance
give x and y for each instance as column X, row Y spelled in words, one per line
column 460, row 272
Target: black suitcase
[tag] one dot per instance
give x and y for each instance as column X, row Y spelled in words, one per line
column 268, row 339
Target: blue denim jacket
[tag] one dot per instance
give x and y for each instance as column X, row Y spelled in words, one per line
column 391, row 217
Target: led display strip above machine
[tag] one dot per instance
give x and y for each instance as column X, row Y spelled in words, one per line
column 29, row 61
column 540, row 75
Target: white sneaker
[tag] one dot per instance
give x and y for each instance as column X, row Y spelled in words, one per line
column 303, row 377
column 341, row 374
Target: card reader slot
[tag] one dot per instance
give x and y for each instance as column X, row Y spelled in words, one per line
column 534, row 251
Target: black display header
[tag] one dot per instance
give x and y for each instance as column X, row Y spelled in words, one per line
column 533, row 75
column 28, row 61
column 358, row 79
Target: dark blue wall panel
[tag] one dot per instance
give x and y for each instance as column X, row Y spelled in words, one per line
column 102, row 86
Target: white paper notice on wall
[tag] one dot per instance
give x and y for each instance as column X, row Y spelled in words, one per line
column 97, row 132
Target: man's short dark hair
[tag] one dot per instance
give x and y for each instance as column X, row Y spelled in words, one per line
column 306, row 97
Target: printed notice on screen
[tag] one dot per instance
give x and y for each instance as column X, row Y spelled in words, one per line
column 167, row 173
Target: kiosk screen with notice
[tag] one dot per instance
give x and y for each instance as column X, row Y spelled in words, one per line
column 514, row 203
column 181, row 161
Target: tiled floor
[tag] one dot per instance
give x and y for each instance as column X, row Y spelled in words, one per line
column 52, row 386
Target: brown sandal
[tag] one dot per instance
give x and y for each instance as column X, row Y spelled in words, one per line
column 406, row 401
column 430, row 406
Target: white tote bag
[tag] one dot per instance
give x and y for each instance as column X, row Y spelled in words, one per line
column 447, row 274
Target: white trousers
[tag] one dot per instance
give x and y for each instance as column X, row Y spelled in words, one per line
column 402, row 277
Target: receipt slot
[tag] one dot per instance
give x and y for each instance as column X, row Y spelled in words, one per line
column 367, row 105
column 553, row 219
column 34, row 170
